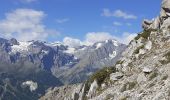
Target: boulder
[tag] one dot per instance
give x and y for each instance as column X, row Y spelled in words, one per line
column 141, row 78
column 156, row 23
column 116, row 76
column 146, row 24
column 148, row 45
column 147, row 70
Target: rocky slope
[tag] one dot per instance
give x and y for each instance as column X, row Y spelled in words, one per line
column 141, row 74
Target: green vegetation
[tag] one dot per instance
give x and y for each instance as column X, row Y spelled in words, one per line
column 102, row 74
column 145, row 34
column 153, row 75
column 119, row 62
column 137, row 50
column 167, row 56
column 164, row 77
column 123, row 98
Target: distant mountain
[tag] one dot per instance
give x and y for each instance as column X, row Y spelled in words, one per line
column 28, row 69
column 89, row 59
column 70, row 65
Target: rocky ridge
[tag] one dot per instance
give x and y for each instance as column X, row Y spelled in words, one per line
column 141, row 74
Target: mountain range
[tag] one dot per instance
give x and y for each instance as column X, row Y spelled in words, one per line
column 29, row 69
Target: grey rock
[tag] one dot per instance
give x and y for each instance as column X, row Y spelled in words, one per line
column 116, row 76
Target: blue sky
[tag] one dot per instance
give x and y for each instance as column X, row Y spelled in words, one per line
column 77, row 18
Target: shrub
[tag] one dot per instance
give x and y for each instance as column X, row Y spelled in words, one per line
column 102, row 74
column 99, row 76
column 153, row 75
column 145, row 34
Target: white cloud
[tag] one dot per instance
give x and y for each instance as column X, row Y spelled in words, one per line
column 72, row 42
column 118, row 13
column 28, row 1
column 93, row 37
column 60, row 21
column 24, row 24
column 117, row 24
column 126, row 37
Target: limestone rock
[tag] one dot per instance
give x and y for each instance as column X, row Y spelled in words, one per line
column 116, row 76
column 146, row 24
column 92, row 89
column 147, row 70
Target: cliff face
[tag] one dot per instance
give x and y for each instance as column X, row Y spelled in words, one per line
column 143, row 71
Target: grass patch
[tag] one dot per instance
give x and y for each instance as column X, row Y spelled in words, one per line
column 119, row 62
column 102, row 74
column 145, row 34
column 124, row 98
column 164, row 77
column 99, row 76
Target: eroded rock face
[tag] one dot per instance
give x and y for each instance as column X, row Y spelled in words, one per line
column 165, row 8
column 92, row 89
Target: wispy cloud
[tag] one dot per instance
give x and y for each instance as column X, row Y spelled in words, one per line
column 28, row 1
column 118, row 13
column 128, row 24
column 25, row 24
column 64, row 20
column 117, row 24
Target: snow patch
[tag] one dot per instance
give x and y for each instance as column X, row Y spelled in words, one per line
column 44, row 51
column 32, row 85
column 70, row 50
column 147, row 70
column 99, row 45
column 115, row 43
column 112, row 55
column 23, row 46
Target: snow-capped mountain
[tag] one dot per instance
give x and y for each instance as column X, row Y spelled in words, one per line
column 70, row 65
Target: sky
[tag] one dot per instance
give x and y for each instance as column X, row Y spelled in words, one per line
column 75, row 21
